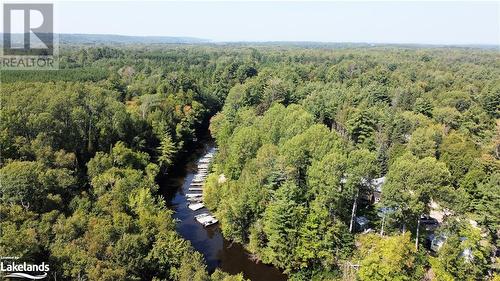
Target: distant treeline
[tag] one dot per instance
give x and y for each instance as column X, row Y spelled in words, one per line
column 78, row 74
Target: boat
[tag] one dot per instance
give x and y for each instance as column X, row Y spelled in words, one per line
column 196, row 189
column 206, row 219
column 196, row 206
column 195, row 199
column 194, row 195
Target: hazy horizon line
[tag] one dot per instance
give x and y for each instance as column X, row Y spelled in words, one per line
column 214, row 41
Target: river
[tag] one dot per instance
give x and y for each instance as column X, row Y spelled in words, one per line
column 218, row 252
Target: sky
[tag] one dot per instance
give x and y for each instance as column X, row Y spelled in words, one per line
column 424, row 22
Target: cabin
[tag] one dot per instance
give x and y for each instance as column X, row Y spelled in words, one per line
column 467, row 255
column 362, row 223
column 429, row 223
column 384, row 211
column 376, row 187
column 436, row 242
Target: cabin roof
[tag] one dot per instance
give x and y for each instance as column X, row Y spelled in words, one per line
column 377, row 183
column 362, row 220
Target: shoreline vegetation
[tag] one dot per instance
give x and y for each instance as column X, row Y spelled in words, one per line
column 302, row 133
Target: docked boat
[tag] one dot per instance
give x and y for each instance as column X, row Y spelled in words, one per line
column 206, row 219
column 196, row 206
column 194, row 200
column 193, row 195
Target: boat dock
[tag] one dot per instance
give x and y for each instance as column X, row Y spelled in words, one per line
column 196, row 185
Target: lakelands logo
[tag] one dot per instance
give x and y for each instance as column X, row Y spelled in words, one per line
column 28, row 36
column 12, row 269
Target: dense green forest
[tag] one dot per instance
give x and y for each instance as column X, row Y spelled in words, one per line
column 82, row 149
column 300, row 142
column 302, row 132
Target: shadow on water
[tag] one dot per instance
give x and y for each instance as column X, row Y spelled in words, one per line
column 218, row 252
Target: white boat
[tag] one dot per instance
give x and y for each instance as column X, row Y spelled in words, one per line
column 206, row 219
column 196, row 188
column 193, row 195
column 195, row 199
column 196, row 206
